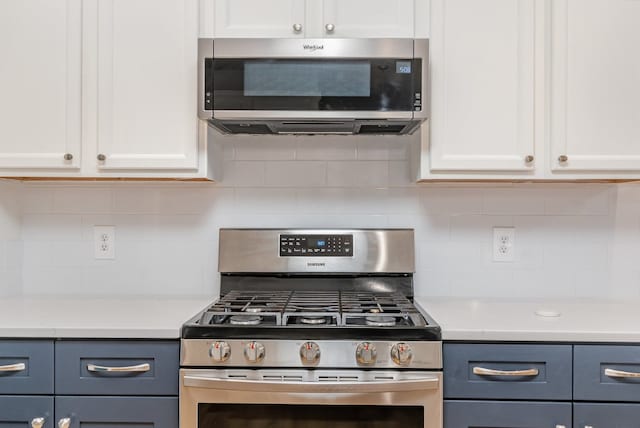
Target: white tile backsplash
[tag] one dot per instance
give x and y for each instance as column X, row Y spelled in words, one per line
column 571, row 239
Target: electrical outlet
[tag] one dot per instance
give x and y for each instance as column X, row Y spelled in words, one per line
column 504, row 244
column 104, row 242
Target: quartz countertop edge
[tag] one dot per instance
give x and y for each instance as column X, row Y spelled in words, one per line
column 121, row 317
column 522, row 320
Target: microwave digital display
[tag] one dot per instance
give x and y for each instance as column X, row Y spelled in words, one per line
column 403, row 67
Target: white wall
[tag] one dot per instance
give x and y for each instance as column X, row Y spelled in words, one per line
column 10, row 239
column 571, row 240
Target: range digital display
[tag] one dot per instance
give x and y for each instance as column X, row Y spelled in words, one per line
column 316, row 245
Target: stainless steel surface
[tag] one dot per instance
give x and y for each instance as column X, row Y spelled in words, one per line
column 529, row 158
column 64, row 423
column 330, row 28
column 324, row 48
column 401, row 354
column 481, row 371
column 205, row 50
column 297, row 28
column 254, row 352
column 334, row 353
column 306, row 115
column 220, row 351
column 310, row 353
column 421, row 51
column 366, row 354
column 621, row 374
column 311, row 387
column 374, row 251
column 68, row 157
column 140, row 368
column 563, row 158
column 13, row 367
column 37, row 422
column 101, row 157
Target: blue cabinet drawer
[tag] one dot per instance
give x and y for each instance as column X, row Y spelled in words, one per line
column 605, row 415
column 103, row 412
column 117, row 367
column 506, row 414
column 522, row 372
column 21, row 411
column 606, row 373
column 26, row 367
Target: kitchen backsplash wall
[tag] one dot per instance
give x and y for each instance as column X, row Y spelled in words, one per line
column 10, row 238
column 571, row 240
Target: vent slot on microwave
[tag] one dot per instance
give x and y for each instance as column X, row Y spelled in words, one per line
column 382, row 129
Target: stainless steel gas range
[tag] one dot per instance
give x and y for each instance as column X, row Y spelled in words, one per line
column 313, row 328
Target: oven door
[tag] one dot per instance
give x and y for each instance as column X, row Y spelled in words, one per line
column 310, row 399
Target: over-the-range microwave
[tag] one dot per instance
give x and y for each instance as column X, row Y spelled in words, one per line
column 314, row 86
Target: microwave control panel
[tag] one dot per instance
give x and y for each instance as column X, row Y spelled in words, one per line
column 316, row 245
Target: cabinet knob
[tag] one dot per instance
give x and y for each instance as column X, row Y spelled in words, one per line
column 68, row 157
column 37, row 422
column 529, row 158
column 297, row 28
column 563, row 158
column 102, row 157
column 64, row 423
column 330, row 28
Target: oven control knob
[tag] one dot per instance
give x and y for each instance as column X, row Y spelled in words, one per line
column 310, row 353
column 366, row 354
column 401, row 354
column 220, row 352
column 254, row 352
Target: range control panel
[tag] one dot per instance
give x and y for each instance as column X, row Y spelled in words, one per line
column 316, row 245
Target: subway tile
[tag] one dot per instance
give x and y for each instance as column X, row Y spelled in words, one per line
column 244, row 173
column 517, row 201
column 477, row 228
column 382, row 148
column 260, row 201
column 37, row 200
column 358, row 174
column 325, row 148
column 265, row 148
column 574, row 201
column 451, row 200
column 51, row 227
column 296, row 174
column 82, row 200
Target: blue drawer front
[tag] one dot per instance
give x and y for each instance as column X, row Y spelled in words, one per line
column 19, row 411
column 603, row 415
column 118, row 412
column 74, row 377
column 37, row 375
column 553, row 362
column 590, row 381
column 506, row 414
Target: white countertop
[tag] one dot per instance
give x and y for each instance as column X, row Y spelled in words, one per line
column 516, row 320
column 95, row 317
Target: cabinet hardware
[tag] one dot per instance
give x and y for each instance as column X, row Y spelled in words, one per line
column 13, row 367
column 563, row 158
column 64, row 423
column 330, row 28
column 128, row 369
column 481, row 371
column 297, row 28
column 102, row 157
column 621, row 374
column 37, row 422
column 529, row 158
column 68, row 157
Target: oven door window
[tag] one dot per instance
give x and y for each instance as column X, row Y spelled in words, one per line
column 314, row 85
column 308, row 416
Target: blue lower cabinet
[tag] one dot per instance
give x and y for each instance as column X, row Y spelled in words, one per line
column 506, row 414
column 604, row 415
column 24, row 411
column 132, row 412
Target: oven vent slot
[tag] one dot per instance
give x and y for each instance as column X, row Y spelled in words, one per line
column 237, row 376
column 328, row 378
column 338, row 378
column 384, row 378
column 280, row 378
column 293, row 378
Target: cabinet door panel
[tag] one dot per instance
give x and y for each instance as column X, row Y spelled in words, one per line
column 368, row 18
column 147, row 67
column 40, row 83
column 20, row 411
column 606, row 415
column 505, row 414
column 259, row 18
column 595, row 85
column 482, row 65
column 35, row 376
column 606, row 373
column 117, row 412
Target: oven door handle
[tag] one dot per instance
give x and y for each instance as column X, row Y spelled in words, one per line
column 427, row 382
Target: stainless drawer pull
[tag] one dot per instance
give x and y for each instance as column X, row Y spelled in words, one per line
column 481, row 371
column 13, row 367
column 621, row 374
column 64, row 423
column 128, row 369
column 37, row 422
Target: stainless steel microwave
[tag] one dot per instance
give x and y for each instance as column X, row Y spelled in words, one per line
column 314, row 86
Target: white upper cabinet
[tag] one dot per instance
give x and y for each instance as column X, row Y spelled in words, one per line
column 314, row 18
column 40, row 84
column 147, row 67
column 595, row 86
column 260, row 18
column 482, row 82
column 368, row 18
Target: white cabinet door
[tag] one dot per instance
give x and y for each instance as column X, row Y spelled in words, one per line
column 368, row 18
column 260, row 18
column 40, row 83
column 482, row 65
column 595, row 85
column 147, row 68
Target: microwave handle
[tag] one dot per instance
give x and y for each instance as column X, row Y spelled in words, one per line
column 427, row 382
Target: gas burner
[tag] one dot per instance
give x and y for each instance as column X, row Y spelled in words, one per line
column 380, row 321
column 245, row 320
column 313, row 320
column 256, row 309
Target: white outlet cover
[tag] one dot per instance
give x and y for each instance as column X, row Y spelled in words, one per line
column 504, row 244
column 104, row 242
